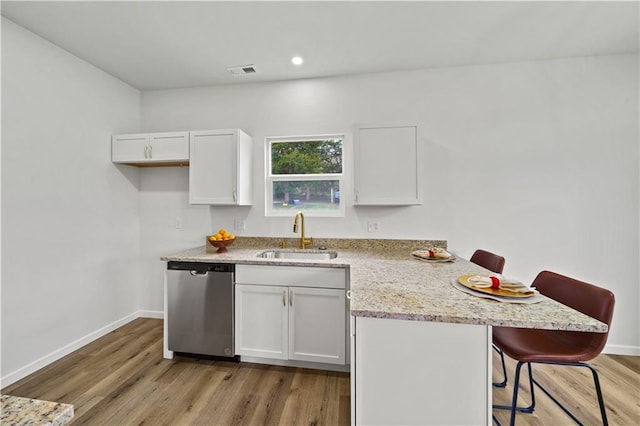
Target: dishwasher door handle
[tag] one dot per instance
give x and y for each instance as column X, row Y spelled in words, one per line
column 198, row 273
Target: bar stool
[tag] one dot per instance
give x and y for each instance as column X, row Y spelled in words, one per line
column 558, row 347
column 494, row 263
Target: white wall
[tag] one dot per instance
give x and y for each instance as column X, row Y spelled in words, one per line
column 537, row 161
column 69, row 217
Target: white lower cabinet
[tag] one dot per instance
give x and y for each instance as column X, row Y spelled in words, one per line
column 291, row 313
column 294, row 323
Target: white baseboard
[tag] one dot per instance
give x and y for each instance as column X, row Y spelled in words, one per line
column 621, row 350
column 299, row 364
column 151, row 314
column 75, row 345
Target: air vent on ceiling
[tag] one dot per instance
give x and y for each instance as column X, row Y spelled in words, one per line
column 242, row 70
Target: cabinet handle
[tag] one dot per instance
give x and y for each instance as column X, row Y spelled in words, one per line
column 150, row 151
column 284, row 298
column 146, row 155
column 235, row 195
column 356, row 195
column 290, row 297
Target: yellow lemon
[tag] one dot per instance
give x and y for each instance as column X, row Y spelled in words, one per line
column 231, row 236
column 222, row 231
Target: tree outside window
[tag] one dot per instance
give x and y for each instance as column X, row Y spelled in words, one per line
column 305, row 174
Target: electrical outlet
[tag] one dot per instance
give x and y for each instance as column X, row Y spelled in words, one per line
column 373, row 226
column 239, row 224
column 178, row 223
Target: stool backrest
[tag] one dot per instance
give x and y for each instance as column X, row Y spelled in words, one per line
column 488, row 260
column 597, row 302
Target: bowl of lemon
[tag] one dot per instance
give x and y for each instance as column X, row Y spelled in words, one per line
column 221, row 240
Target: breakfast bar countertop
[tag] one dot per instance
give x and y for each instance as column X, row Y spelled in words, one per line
column 26, row 412
column 386, row 282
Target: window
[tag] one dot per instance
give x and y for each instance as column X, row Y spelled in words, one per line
column 304, row 173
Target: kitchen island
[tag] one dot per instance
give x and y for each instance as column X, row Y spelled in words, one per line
column 421, row 349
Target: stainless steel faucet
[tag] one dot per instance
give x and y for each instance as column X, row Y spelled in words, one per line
column 303, row 241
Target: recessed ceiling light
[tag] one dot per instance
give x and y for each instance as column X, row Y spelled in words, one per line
column 296, row 60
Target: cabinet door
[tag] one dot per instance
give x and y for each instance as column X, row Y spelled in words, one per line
column 151, row 149
column 387, row 166
column 317, row 325
column 214, row 158
column 172, row 146
column 261, row 321
column 130, row 148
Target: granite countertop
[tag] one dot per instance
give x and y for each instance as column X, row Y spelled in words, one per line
column 386, row 282
column 27, row 412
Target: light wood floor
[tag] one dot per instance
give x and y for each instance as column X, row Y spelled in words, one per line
column 122, row 379
column 573, row 386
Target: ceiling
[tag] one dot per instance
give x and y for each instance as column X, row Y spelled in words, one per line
column 163, row 45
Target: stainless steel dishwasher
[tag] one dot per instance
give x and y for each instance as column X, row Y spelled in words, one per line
column 200, row 308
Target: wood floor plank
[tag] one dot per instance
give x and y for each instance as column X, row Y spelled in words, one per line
column 632, row 363
column 242, row 409
column 189, row 408
column 220, row 406
column 304, row 405
column 272, row 396
column 121, row 379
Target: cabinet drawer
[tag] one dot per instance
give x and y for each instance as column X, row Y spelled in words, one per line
column 294, row 276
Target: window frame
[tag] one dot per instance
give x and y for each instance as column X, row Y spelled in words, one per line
column 270, row 178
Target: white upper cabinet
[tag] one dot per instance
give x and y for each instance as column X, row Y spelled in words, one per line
column 151, row 149
column 387, row 166
column 220, row 167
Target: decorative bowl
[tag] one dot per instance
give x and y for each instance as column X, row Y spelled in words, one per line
column 221, row 244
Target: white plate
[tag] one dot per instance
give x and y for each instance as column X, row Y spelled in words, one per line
column 452, row 258
column 525, row 300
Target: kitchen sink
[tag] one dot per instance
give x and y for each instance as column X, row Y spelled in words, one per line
column 298, row 254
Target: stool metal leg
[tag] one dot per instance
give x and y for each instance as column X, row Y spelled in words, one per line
column 516, row 385
column 596, row 381
column 503, row 383
column 603, row 411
